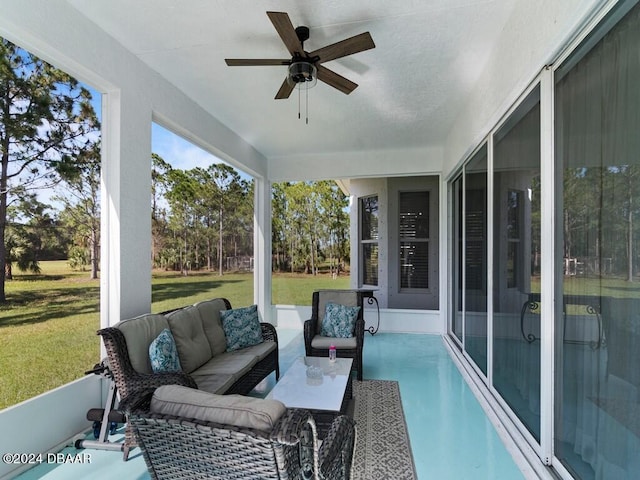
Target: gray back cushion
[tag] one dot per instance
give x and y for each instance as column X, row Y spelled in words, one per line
column 348, row 298
column 237, row 410
column 139, row 332
column 191, row 341
column 210, row 314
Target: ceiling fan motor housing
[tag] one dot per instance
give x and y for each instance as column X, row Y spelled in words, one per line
column 302, row 33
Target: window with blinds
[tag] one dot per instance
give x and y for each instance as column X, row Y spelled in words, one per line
column 369, row 240
column 413, row 233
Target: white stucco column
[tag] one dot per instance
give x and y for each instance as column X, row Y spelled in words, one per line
column 262, row 249
column 125, row 288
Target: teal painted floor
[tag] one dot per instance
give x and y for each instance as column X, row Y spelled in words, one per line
column 451, row 437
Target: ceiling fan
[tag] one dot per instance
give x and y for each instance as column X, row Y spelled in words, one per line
column 306, row 67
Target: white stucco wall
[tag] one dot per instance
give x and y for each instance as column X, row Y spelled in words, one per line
column 533, row 38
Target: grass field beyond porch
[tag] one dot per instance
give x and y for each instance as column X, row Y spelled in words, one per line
column 48, row 326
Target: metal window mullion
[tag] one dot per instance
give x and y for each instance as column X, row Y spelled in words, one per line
column 547, row 271
column 463, row 255
column 490, row 239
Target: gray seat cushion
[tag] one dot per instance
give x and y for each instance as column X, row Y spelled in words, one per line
column 237, row 410
column 214, row 383
column 226, row 364
column 259, row 351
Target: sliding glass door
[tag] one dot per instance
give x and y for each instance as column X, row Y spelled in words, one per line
column 597, row 429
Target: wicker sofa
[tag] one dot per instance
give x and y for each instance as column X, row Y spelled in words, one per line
column 185, row 433
column 201, row 345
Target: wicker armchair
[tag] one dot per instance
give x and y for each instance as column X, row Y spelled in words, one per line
column 178, row 447
column 318, row 346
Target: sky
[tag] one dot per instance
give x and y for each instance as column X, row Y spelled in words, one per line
column 175, row 150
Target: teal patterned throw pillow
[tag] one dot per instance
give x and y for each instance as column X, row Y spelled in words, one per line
column 241, row 327
column 163, row 353
column 339, row 320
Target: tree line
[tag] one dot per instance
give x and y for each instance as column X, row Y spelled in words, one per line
column 200, row 217
column 600, row 207
column 310, row 227
column 203, row 219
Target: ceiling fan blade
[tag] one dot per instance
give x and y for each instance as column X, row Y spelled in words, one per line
column 352, row 45
column 336, row 81
column 285, row 90
column 284, row 27
column 255, row 62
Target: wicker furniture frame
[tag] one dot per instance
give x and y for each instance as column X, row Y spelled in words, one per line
column 176, row 447
column 311, row 327
column 129, row 381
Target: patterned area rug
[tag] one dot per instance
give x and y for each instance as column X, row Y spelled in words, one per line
column 382, row 448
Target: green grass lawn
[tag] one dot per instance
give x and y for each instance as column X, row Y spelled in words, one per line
column 48, row 326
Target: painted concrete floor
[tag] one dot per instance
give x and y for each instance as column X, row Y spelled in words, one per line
column 451, row 437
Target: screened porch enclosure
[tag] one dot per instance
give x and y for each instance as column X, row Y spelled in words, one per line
column 528, row 264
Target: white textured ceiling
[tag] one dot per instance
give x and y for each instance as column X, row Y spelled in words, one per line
column 411, row 86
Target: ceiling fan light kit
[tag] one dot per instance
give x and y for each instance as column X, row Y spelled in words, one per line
column 302, row 74
column 304, row 68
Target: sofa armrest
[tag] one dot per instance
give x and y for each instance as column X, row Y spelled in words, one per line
column 127, row 379
column 137, row 402
column 269, row 333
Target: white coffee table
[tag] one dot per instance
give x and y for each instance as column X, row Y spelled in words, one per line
column 326, row 394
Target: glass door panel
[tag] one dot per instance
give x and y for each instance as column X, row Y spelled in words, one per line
column 597, row 405
column 516, row 262
column 475, row 259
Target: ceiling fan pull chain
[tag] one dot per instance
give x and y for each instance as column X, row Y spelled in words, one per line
column 298, row 102
column 307, row 107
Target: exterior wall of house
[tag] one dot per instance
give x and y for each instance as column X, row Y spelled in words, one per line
column 364, row 188
column 388, row 291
